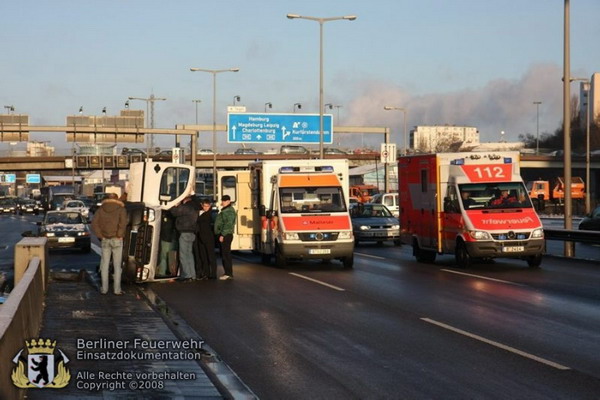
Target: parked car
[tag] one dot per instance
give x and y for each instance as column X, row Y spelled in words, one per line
column 374, row 223
column 293, row 149
column 390, row 200
column 66, row 229
column 8, row 205
column 76, row 205
column 592, row 221
column 30, row 206
column 246, row 151
column 205, row 152
column 333, row 150
column 128, row 151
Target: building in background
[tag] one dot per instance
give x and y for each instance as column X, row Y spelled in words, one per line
column 443, row 138
column 39, row 149
column 590, row 91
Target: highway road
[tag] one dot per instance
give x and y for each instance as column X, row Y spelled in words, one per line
column 391, row 327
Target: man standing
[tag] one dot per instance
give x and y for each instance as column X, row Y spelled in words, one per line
column 224, row 227
column 109, row 225
column 186, row 215
column 206, row 241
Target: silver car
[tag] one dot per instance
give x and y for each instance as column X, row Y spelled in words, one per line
column 374, row 223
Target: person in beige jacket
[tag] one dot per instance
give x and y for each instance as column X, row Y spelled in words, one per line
column 109, row 223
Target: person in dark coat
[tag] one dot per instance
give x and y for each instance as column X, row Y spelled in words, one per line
column 205, row 240
column 185, row 221
column 168, row 235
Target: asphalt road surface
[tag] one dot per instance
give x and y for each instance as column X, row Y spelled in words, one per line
column 391, row 327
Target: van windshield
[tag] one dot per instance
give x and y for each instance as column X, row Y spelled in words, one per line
column 487, row 196
column 311, row 200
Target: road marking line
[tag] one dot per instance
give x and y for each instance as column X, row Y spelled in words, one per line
column 369, row 255
column 97, row 249
column 499, row 345
column 482, row 277
column 317, row 281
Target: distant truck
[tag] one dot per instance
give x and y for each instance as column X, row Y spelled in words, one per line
column 363, row 193
column 54, row 196
column 554, row 190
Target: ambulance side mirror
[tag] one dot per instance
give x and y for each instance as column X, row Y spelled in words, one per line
column 269, row 214
column 262, row 211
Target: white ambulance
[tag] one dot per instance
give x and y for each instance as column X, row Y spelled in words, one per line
column 292, row 209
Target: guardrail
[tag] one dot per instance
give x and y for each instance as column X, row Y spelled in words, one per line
column 572, row 235
column 21, row 314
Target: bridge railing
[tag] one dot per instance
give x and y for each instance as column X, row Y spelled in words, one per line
column 21, row 314
column 573, row 235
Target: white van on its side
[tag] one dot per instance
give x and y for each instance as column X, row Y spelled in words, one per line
column 390, row 200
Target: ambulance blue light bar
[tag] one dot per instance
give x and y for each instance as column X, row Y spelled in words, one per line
column 288, row 170
column 507, row 160
column 458, row 161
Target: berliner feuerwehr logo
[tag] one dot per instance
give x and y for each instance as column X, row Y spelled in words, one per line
column 44, row 368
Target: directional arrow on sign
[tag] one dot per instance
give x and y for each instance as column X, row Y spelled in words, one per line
column 233, row 129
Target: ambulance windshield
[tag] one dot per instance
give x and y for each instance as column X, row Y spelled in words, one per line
column 311, row 200
column 485, row 196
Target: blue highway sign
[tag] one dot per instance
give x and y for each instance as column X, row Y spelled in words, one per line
column 33, row 178
column 278, row 128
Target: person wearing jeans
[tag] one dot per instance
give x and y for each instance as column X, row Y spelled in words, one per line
column 114, row 247
column 186, row 215
column 109, row 224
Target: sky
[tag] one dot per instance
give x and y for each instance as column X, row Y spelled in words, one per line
column 475, row 63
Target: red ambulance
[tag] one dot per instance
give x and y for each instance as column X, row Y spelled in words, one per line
column 472, row 205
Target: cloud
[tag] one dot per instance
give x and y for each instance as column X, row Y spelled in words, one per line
column 501, row 105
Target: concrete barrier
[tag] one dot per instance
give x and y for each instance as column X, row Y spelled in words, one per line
column 21, row 314
column 25, row 250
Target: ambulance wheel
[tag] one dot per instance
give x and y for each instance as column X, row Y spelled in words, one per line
column 280, row 260
column 423, row 256
column 463, row 258
column 266, row 259
column 348, row 262
column 534, row 261
column 398, row 242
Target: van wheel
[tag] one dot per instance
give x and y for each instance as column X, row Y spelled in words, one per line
column 280, row 260
column 398, row 242
column 463, row 258
column 266, row 259
column 534, row 261
column 423, row 256
column 87, row 248
column 348, row 262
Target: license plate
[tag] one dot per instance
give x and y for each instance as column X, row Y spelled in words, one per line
column 512, row 249
column 66, row 239
column 319, row 251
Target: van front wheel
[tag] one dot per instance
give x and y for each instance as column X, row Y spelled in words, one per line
column 280, row 260
column 463, row 258
column 534, row 261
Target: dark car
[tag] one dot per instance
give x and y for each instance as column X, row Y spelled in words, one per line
column 293, row 149
column 246, row 151
column 66, row 229
column 128, row 151
column 592, row 221
column 8, row 206
column 30, row 206
column 374, row 223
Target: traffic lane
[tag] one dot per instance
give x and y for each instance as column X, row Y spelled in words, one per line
column 552, row 311
column 11, row 228
column 287, row 336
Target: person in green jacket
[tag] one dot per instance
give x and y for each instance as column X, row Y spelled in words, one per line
column 224, row 227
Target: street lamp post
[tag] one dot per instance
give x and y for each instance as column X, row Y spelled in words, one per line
column 569, row 247
column 587, row 87
column 197, row 101
column 537, row 128
column 214, row 73
column 390, row 108
column 321, row 22
column 149, row 102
